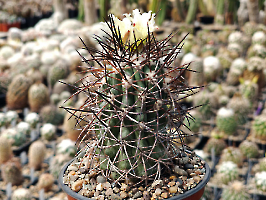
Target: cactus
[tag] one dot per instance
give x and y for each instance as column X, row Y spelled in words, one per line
column 211, row 68
column 134, row 101
column 16, row 138
column 33, row 119
column 262, row 164
column 23, row 127
column 57, row 162
column 260, row 181
column 17, row 92
column 226, row 121
column 203, row 98
column 6, row 52
column 66, row 147
column 227, row 172
column 11, row 115
column 54, row 98
column 249, row 149
column 38, row 96
column 236, row 191
column 50, row 114
column 5, row 150
column 215, row 143
column 37, row 152
column 11, row 171
column 48, row 131
column 21, row 194
column 57, row 71
column 241, row 107
column 232, row 154
column 45, row 182
column 256, row 50
column 249, row 89
column 2, row 119
column 259, row 127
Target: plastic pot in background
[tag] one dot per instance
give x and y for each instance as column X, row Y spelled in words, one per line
column 193, row 194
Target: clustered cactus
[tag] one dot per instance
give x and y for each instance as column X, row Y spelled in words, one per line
column 260, row 180
column 133, row 101
column 236, row 191
column 232, row 154
column 226, row 121
column 259, row 127
column 249, row 149
column 227, row 172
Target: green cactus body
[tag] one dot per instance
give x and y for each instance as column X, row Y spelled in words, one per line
column 225, row 121
column 21, row 194
column 50, row 114
column 203, row 98
column 236, row 191
column 5, row 150
column 11, row 172
column 33, row 119
column 2, row 119
column 48, row 131
column 232, row 154
column 133, row 102
column 38, row 96
column 262, row 164
column 37, row 153
column 17, row 92
column 56, row 72
column 241, row 107
column 57, row 162
column 260, row 180
column 227, row 172
column 17, row 138
column 66, row 147
column 259, row 127
column 194, row 124
column 249, row 89
column 45, row 182
column 249, row 149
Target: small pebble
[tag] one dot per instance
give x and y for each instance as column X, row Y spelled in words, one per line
column 123, row 194
column 109, row 192
column 146, row 195
column 157, row 183
column 172, row 183
column 189, row 166
column 99, row 187
column 124, row 187
column 100, row 179
column 173, row 189
column 106, row 185
column 72, row 168
column 180, row 171
column 137, row 195
column 116, row 189
column 77, row 185
column 158, row 191
column 164, row 195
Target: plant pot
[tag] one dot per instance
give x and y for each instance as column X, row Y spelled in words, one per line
column 193, row 194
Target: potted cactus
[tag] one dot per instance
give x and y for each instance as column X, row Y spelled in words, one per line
column 134, row 112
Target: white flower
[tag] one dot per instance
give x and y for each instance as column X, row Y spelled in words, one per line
column 137, row 24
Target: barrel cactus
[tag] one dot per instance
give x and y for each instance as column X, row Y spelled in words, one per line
column 226, row 121
column 134, row 101
column 249, row 149
column 45, row 182
column 5, row 150
column 38, row 96
column 227, row 172
column 216, row 143
column 51, row 114
column 232, row 154
column 259, row 127
column 33, row 119
column 48, row 131
column 21, row 194
column 59, row 70
column 15, row 137
column 66, row 147
column 37, row 151
column 11, row 171
column 23, row 127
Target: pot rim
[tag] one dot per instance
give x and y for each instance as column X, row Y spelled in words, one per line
column 188, row 193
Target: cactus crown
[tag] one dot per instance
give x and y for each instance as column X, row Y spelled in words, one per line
column 133, row 104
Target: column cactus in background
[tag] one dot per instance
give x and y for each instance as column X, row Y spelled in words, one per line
column 226, row 121
column 5, row 150
column 134, row 102
column 236, row 191
column 17, row 92
column 36, row 153
column 11, row 171
column 38, row 96
column 253, row 10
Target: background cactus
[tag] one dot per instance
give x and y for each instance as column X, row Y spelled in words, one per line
column 260, row 180
column 51, row 114
column 45, row 182
column 48, row 131
column 21, row 194
column 5, row 150
column 236, row 191
column 38, row 96
column 15, row 137
column 227, row 172
column 36, row 153
column 226, row 121
column 259, row 127
column 134, row 102
column 232, row 154
column 23, row 127
column 215, row 143
column 249, row 149
column 11, row 171
column 33, row 119
column 17, row 92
